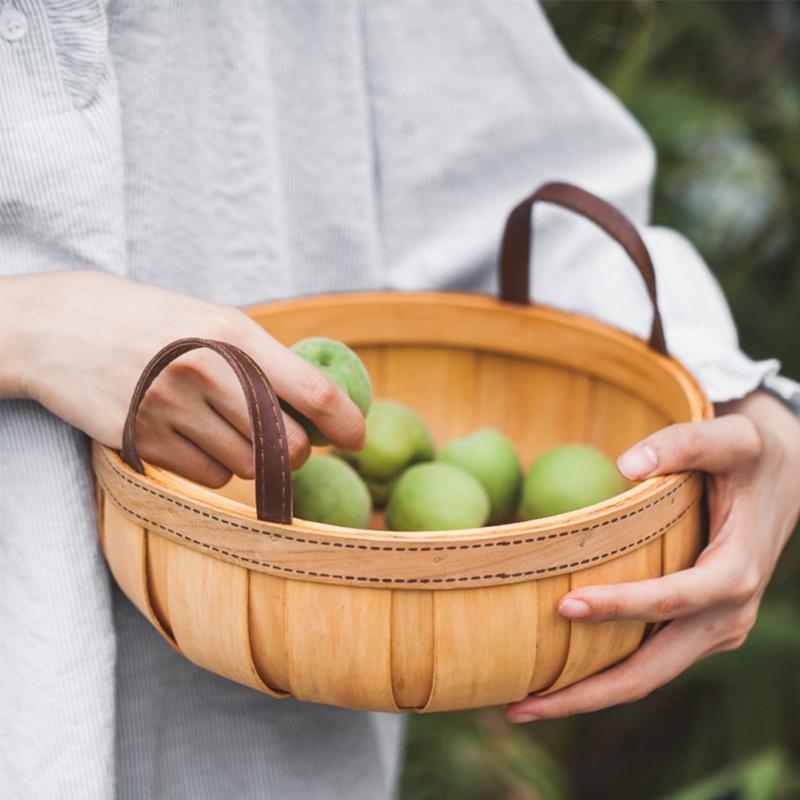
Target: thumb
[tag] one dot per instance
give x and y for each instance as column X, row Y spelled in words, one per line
column 719, row 445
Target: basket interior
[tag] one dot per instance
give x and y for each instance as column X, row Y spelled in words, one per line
column 542, row 377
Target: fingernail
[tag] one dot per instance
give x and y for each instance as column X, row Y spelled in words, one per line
column 638, row 462
column 526, row 717
column 573, row 607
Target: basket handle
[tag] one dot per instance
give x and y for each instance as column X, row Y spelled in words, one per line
column 273, row 470
column 516, row 246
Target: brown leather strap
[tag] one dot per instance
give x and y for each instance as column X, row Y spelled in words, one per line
column 516, row 246
column 273, row 470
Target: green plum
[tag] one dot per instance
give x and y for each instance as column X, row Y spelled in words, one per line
column 326, row 489
column 397, row 437
column 337, row 361
column 437, row 497
column 490, row 457
column 567, row 478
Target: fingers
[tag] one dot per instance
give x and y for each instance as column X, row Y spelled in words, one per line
column 722, row 576
column 658, row 661
column 719, row 445
column 199, row 397
column 199, row 391
column 311, row 393
column 225, row 400
column 171, row 450
column 223, row 442
column 300, row 384
column 656, row 600
column 200, row 424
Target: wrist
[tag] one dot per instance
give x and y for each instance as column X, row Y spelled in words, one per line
column 777, row 426
column 17, row 313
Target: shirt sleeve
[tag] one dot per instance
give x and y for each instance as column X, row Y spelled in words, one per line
column 699, row 327
column 784, row 389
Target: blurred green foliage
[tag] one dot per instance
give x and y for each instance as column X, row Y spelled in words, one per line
column 717, row 86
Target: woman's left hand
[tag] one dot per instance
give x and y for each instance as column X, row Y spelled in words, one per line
column 751, row 453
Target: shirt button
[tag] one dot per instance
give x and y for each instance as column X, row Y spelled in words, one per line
column 13, row 23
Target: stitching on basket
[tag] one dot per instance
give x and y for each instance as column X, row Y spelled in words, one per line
column 406, row 581
column 388, row 548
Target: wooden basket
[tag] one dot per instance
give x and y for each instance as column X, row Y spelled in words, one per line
column 418, row 621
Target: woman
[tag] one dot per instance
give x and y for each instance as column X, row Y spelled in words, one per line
column 162, row 164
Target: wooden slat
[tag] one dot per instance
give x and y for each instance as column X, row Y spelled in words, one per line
column 552, row 643
column 485, row 646
column 99, row 496
column 208, row 610
column 126, row 554
column 339, row 647
column 618, row 419
column 268, row 630
column 412, row 647
column 158, row 551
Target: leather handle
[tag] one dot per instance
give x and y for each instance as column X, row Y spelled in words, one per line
column 516, row 246
column 273, row 470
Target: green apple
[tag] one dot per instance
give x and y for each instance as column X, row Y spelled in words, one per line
column 437, row 497
column 490, row 457
column 567, row 478
column 397, row 437
column 326, row 489
column 343, row 367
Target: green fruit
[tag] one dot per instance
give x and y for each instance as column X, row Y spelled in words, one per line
column 326, row 489
column 567, row 478
column 396, row 438
column 380, row 490
column 490, row 457
column 437, row 497
column 343, row 367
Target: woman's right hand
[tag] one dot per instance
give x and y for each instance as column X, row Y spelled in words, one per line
column 77, row 342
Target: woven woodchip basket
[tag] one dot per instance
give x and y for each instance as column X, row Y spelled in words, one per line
column 418, row 621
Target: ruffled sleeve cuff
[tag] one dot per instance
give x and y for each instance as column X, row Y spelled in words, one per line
column 699, row 329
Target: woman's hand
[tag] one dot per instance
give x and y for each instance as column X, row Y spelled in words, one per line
column 78, row 341
column 752, row 456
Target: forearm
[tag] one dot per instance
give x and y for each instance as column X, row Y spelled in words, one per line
column 77, row 341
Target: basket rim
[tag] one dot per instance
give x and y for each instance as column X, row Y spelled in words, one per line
column 197, row 518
